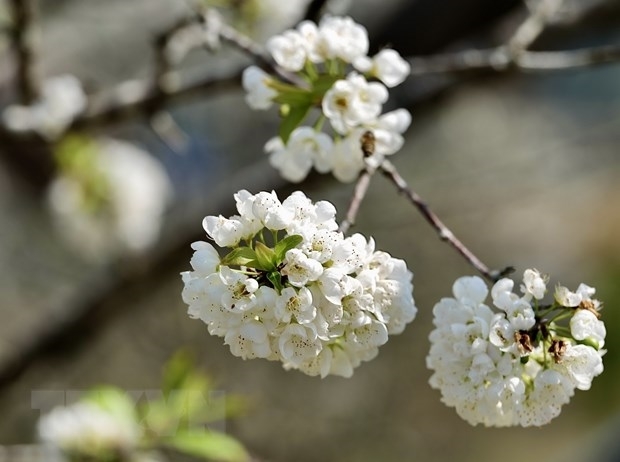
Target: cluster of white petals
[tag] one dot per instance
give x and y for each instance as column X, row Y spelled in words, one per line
column 62, row 99
column 87, row 430
column 316, row 301
column 334, row 52
column 130, row 217
column 517, row 365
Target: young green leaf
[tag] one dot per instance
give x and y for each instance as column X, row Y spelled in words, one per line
column 265, row 257
column 293, row 119
column 240, row 256
column 208, row 445
column 286, row 244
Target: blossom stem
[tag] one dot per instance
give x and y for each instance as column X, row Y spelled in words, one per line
column 359, row 193
column 445, row 234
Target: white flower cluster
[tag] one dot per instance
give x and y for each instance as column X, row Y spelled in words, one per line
column 62, row 99
column 322, row 55
column 518, row 366
column 315, row 301
column 137, row 190
column 89, row 431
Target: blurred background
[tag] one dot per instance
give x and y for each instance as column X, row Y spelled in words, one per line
column 522, row 166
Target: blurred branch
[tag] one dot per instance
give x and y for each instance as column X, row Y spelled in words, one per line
column 313, row 10
column 514, row 54
column 496, row 59
column 139, row 97
column 24, row 41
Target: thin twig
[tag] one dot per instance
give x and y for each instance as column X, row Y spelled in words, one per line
column 514, row 55
column 496, row 59
column 534, row 25
column 363, row 181
column 24, row 41
column 143, row 97
column 445, row 234
column 249, row 47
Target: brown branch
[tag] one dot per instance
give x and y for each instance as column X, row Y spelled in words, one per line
column 24, row 41
column 361, row 187
column 445, row 234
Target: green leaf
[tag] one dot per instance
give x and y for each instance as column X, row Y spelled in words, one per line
column 299, row 98
column 114, row 401
column 293, row 119
column 177, row 371
column 241, row 256
column 322, row 84
column 286, row 244
column 265, row 257
column 209, row 445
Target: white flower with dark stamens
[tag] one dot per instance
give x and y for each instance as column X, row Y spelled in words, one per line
column 305, row 148
column 300, row 269
column 295, row 304
column 353, row 102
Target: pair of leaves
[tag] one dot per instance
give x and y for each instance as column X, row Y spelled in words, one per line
column 262, row 258
column 298, row 102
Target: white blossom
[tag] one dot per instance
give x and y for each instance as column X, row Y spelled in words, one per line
column 129, row 217
column 387, row 65
column 62, row 100
column 288, row 50
column 259, row 94
column 585, row 325
column 353, row 102
column 88, row 429
column 341, row 37
column 305, row 148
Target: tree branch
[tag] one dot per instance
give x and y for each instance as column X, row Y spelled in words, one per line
column 514, row 54
column 24, row 41
column 445, row 234
column 361, row 187
column 137, row 97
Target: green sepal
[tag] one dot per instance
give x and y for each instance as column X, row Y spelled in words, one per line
column 276, row 280
column 208, row 445
column 591, row 343
column 293, row 119
column 286, row 244
column 241, row 256
column 524, row 359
